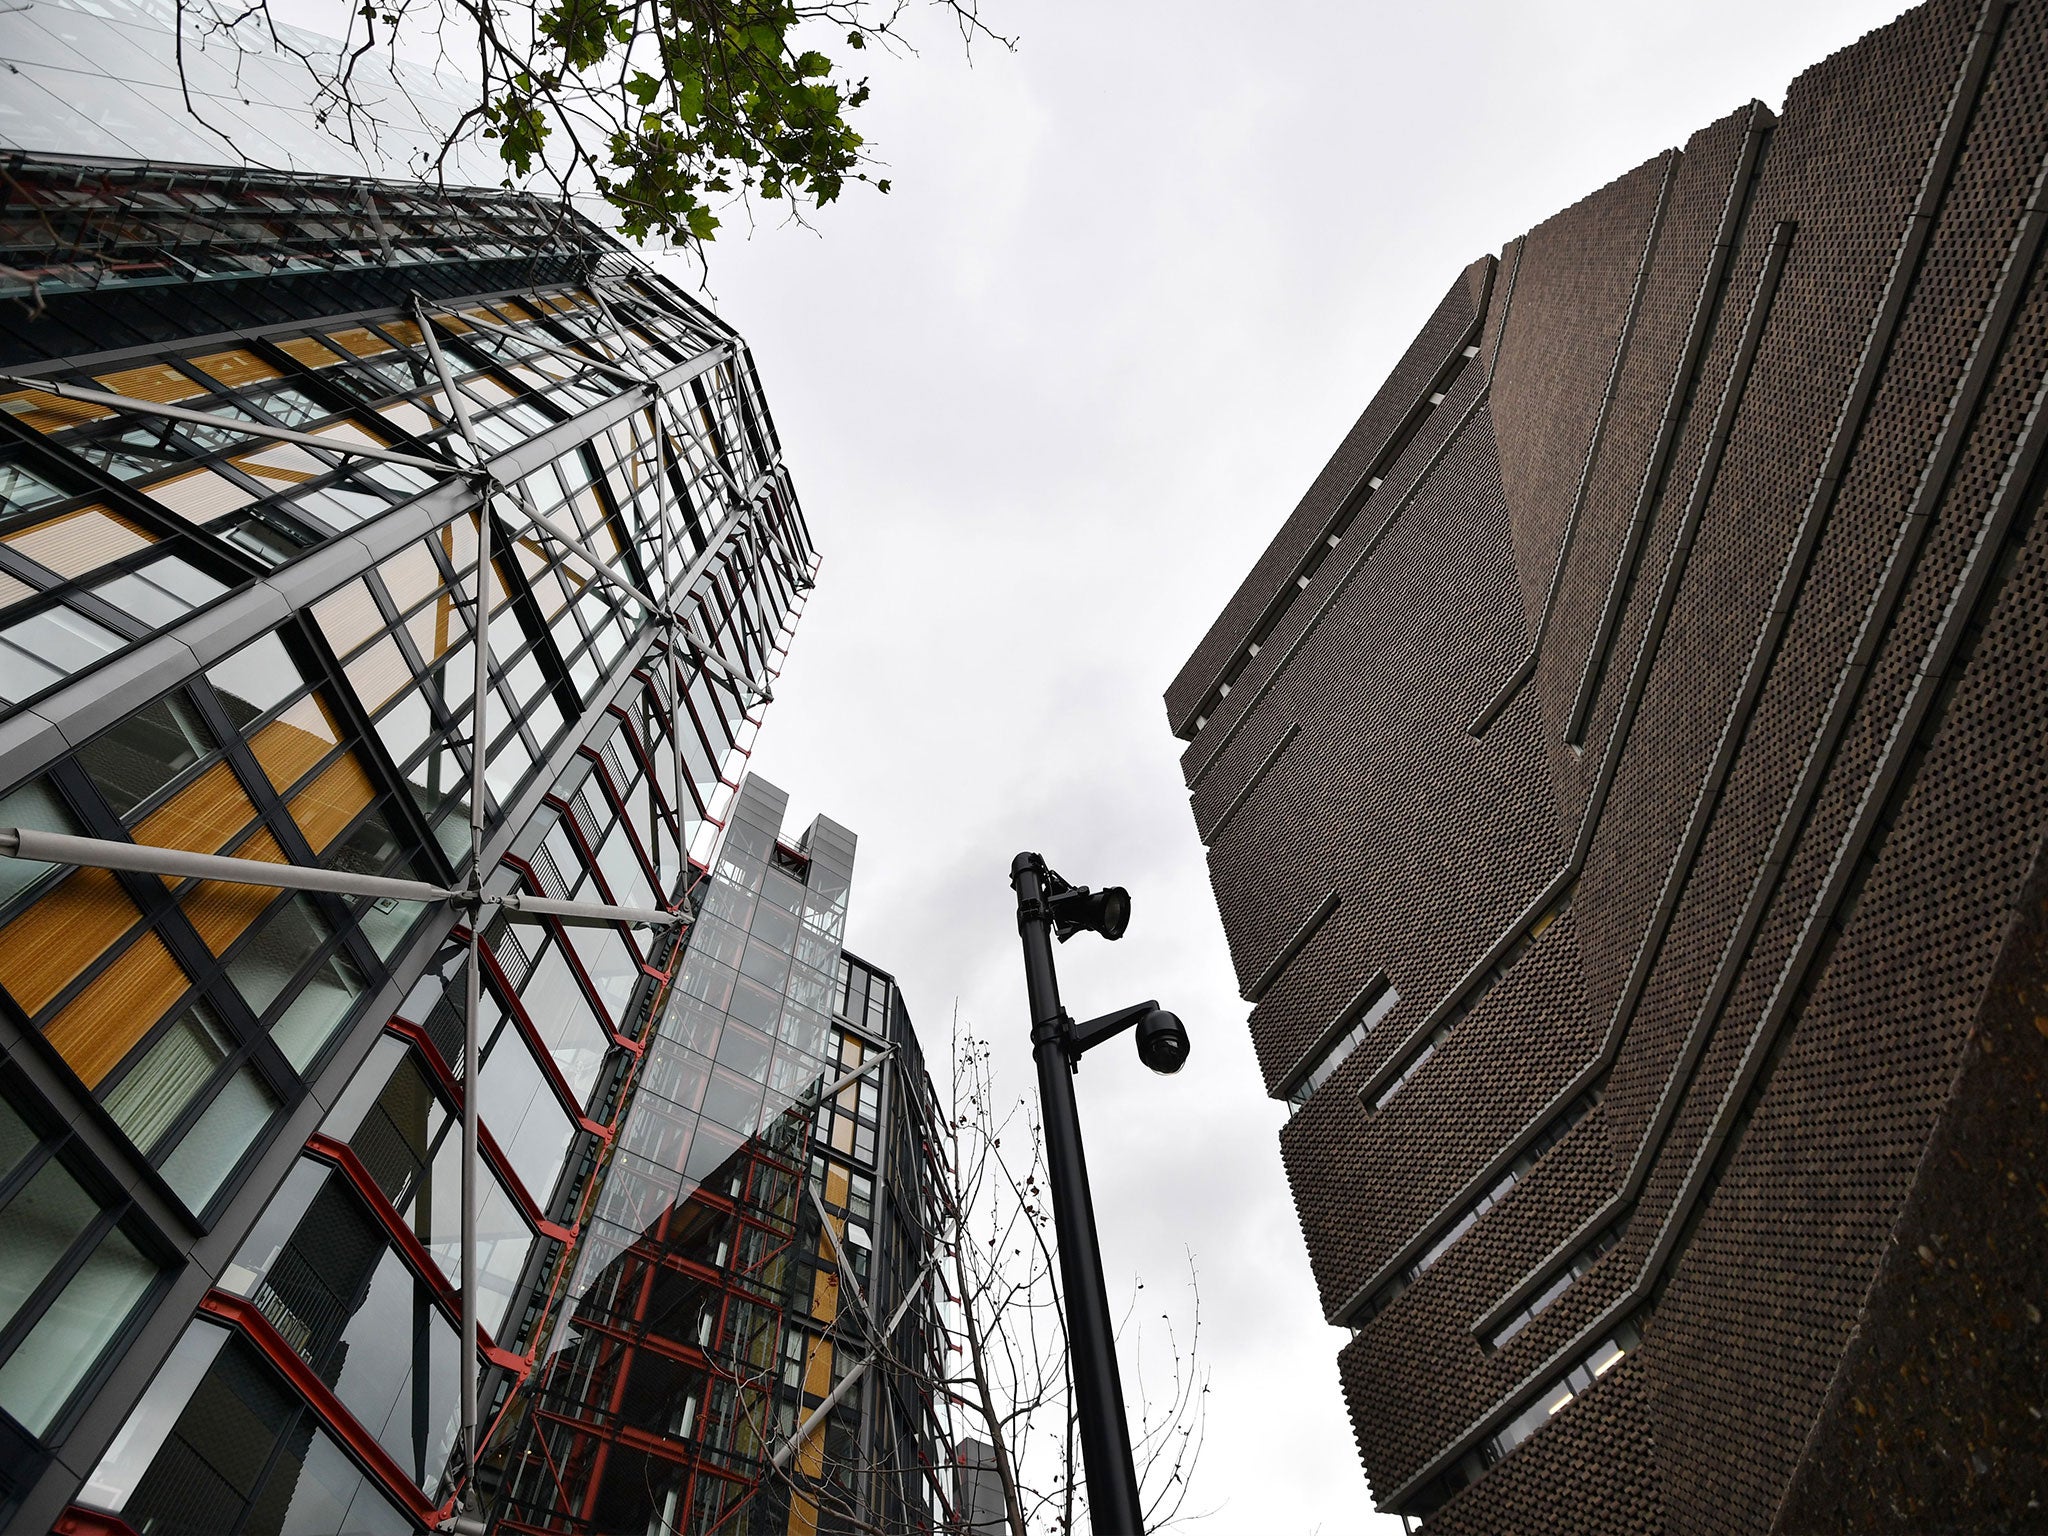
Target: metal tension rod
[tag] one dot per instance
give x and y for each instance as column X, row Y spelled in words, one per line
column 555, row 349
column 177, row 864
column 466, row 1514
column 214, row 419
column 817, row 1415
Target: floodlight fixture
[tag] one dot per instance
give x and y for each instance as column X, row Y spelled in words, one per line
column 1107, row 912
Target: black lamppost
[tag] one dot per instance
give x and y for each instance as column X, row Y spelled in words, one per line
column 1048, row 906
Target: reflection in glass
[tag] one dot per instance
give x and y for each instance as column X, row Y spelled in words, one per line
column 66, row 1342
column 214, row 1146
column 142, row 754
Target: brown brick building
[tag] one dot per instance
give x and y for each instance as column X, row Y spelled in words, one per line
column 1624, row 777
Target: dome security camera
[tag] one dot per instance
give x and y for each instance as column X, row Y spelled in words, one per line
column 1162, row 1041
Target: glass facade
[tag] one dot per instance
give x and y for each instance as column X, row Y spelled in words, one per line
column 760, row 1239
column 240, row 532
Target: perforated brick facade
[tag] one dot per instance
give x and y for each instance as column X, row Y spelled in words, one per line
column 1651, row 696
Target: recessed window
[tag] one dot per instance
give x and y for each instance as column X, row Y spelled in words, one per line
column 1373, row 1010
column 70, row 1280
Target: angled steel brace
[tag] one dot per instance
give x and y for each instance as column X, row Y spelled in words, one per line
column 113, row 402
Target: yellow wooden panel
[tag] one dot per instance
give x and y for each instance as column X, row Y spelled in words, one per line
column 159, row 382
column 237, row 367
column 121, row 1004
column 200, row 495
column 290, row 746
column 348, row 617
column 97, row 1028
column 405, row 331
column 203, row 817
column 285, row 463
column 46, row 948
column 818, row 1370
column 835, row 1185
column 333, row 800
column 349, row 432
column 47, row 412
column 824, row 1296
column 379, row 673
column 803, row 1509
column 222, row 910
column 81, row 541
column 360, row 340
column 306, row 350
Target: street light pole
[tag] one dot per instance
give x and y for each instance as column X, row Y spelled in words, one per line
column 1113, row 1504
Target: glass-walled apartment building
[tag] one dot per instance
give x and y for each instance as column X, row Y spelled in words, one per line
column 253, row 431
column 749, row 1337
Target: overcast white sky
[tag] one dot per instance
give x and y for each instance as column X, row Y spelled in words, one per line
column 1045, row 403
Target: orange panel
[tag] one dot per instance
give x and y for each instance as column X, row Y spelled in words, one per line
column 159, row 382
column 203, row 817
column 222, row 910
column 818, row 1372
column 286, row 463
column 236, row 367
column 306, row 350
column 328, row 804
column 290, row 746
column 44, row 950
column 81, row 541
column 49, row 413
column 361, row 341
column 101, row 1025
column 824, row 1296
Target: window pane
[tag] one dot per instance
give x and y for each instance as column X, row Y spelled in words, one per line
column 42, row 1222
column 266, row 966
column 65, row 1344
column 522, row 1111
column 255, row 678
column 307, row 1025
column 157, row 1088
column 329, row 1497
column 50, row 645
column 555, row 1003
column 36, row 805
column 213, row 1146
column 146, row 751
